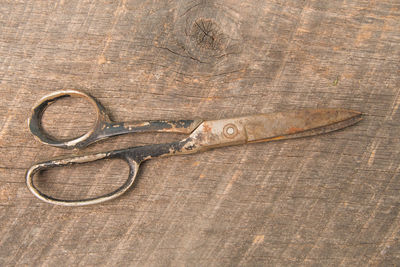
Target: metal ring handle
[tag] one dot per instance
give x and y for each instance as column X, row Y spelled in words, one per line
column 133, row 169
column 36, row 128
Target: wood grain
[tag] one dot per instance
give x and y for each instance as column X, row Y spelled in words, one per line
column 327, row 200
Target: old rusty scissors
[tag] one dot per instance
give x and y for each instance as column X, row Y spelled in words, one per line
column 203, row 135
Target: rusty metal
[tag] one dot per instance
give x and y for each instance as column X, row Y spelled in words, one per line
column 204, row 135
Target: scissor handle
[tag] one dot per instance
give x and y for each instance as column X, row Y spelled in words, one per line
column 133, row 169
column 91, row 136
column 103, row 126
column 134, row 156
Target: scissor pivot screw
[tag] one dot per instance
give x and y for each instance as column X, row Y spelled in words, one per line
column 230, row 130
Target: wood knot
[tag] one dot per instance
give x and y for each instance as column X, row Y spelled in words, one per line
column 207, row 34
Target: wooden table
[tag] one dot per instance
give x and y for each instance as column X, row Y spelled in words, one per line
column 328, row 200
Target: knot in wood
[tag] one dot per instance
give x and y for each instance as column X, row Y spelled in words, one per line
column 207, row 35
column 208, row 32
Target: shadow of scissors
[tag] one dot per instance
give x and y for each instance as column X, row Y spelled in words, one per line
column 203, row 135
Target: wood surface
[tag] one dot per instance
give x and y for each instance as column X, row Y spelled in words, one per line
column 330, row 200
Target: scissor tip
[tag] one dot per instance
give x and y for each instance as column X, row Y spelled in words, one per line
column 345, row 114
column 357, row 114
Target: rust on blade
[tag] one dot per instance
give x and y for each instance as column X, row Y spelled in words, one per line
column 293, row 130
column 276, row 138
column 270, row 127
column 277, row 126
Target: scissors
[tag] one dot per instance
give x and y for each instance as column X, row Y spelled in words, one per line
column 202, row 135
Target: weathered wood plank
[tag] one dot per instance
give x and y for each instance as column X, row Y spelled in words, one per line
column 327, row 200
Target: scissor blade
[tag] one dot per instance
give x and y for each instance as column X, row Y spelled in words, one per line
column 287, row 125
